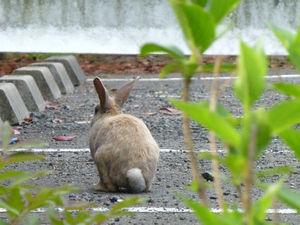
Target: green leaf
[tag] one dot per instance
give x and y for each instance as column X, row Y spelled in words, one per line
column 206, row 217
column 252, row 67
column 212, row 120
column 149, row 48
column 99, row 218
column 9, row 174
column 20, row 157
column 197, row 25
column 274, row 171
column 27, row 144
column 53, row 217
column 294, row 51
column 236, row 163
column 290, row 197
column 210, row 156
column 284, row 115
column 292, row 44
column 260, row 207
column 120, row 206
column 292, row 138
column 27, row 176
column 15, row 199
column 9, row 208
column 225, row 68
column 32, row 220
column 169, row 68
column 200, row 2
column 263, row 132
column 79, row 206
column 3, row 223
column 288, row 89
column 5, row 133
column 221, row 8
column 255, row 132
column 202, row 213
column 284, row 36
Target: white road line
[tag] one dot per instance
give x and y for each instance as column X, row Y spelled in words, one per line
column 162, row 150
column 162, row 210
column 271, row 77
column 61, row 150
column 83, row 122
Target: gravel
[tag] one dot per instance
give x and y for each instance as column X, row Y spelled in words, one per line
column 173, row 173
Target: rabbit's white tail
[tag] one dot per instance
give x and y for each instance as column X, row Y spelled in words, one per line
column 136, row 180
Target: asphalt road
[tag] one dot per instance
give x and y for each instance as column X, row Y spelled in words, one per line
column 75, row 166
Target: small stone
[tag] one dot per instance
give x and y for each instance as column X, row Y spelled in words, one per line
column 105, row 203
column 150, row 200
column 226, row 193
column 114, row 199
column 208, row 177
column 268, row 219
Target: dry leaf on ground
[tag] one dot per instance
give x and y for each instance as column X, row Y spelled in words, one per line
column 170, row 111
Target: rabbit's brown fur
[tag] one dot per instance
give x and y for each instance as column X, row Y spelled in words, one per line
column 121, row 145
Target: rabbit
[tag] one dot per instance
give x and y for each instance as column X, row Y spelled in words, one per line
column 121, row 145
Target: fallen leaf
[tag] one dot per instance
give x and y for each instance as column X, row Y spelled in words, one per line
column 64, row 138
column 170, row 111
column 28, row 120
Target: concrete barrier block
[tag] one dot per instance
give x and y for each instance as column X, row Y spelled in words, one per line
column 12, row 106
column 72, row 66
column 44, row 80
column 60, row 75
column 29, row 91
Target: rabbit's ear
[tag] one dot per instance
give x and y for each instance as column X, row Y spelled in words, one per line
column 121, row 95
column 102, row 94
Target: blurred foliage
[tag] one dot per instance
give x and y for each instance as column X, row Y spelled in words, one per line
column 20, row 197
column 246, row 137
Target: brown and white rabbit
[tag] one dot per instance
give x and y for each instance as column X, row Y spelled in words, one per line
column 121, row 145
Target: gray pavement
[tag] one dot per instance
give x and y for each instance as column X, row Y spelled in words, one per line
column 173, row 174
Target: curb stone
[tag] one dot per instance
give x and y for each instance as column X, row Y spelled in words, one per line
column 72, row 66
column 60, row 75
column 44, row 80
column 29, row 91
column 12, row 106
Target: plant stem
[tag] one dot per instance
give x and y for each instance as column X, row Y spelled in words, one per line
column 249, row 173
column 212, row 137
column 276, row 217
column 190, row 147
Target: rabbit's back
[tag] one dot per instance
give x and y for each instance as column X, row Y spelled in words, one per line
column 123, row 142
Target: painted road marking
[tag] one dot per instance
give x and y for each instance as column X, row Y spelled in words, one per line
column 162, row 150
column 161, row 210
column 271, row 77
column 83, row 122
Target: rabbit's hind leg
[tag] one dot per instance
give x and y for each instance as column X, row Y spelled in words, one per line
column 104, row 183
column 100, row 186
